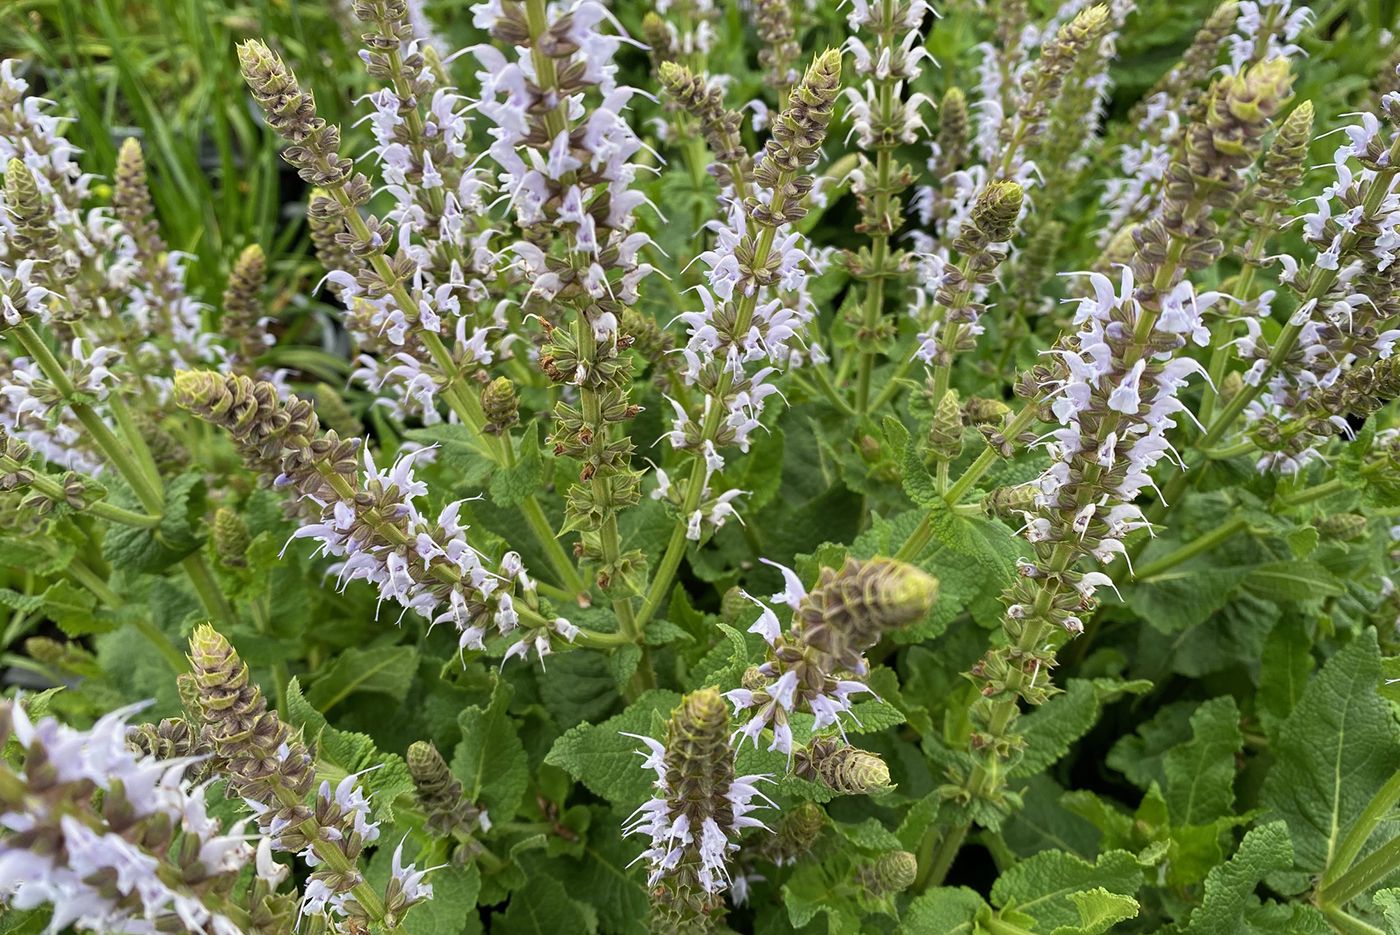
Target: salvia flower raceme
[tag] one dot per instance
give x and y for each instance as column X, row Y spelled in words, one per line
column 699, row 809
column 367, row 516
column 148, row 858
column 818, row 663
column 269, row 766
column 1348, row 315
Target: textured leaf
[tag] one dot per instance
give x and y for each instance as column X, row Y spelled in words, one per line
column 511, row 486
column 490, row 760
column 1388, row 902
column 1043, row 886
column 149, row 550
column 386, row 670
column 1201, row 773
column 1283, row 673
column 1292, row 581
column 1099, row 911
column 943, row 911
column 1051, row 728
column 602, row 875
column 607, row 762
column 542, row 907
column 459, row 450
column 1229, row 888
column 1338, row 746
column 1184, row 597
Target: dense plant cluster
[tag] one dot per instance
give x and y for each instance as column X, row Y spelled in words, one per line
column 691, row 467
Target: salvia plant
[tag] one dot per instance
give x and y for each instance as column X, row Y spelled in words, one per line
column 692, row 467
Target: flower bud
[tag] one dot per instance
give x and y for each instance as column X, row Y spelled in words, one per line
column 893, row 872
column 1342, row 527
column 982, row 411
column 231, row 538
column 499, row 403
column 945, row 433
column 841, row 767
column 438, row 791
column 33, row 235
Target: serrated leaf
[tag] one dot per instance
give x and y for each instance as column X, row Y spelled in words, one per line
column 1042, row 886
column 490, row 761
column 1184, row 597
column 1388, row 902
column 605, row 761
column 1336, row 749
column 943, row 911
column 1283, row 673
column 1292, row 581
column 1201, row 773
column 510, row 486
column 1229, row 888
column 1051, row 728
column 870, row 835
column 1099, row 911
column 75, row 611
column 342, row 752
column 137, row 548
column 616, row 890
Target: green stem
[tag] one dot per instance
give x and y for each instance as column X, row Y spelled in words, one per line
column 1347, row 923
column 1193, row 548
column 671, row 559
column 1360, row 832
column 918, row 540
column 936, row 855
column 1366, row 873
column 127, row 459
column 53, row 490
column 1322, row 283
column 879, row 249
column 120, row 455
column 1317, row 492
column 334, row 858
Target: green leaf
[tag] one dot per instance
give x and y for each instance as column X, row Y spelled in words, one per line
column 1201, row 773
column 511, row 486
column 1229, row 888
column 1388, row 902
column 1336, row 749
column 1184, row 597
column 542, row 907
column 74, row 609
column 1051, row 728
column 1043, row 886
column 815, row 887
column 1293, row 581
column 490, row 760
column 1099, row 911
column 605, row 761
column 459, row 451
column 137, row 548
column 943, row 911
column 1283, row 673
column 616, row 890
column 342, row 752
column 387, row 670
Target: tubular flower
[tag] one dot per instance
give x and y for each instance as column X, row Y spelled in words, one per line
column 149, row 858
column 818, row 663
column 699, row 808
column 367, row 516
